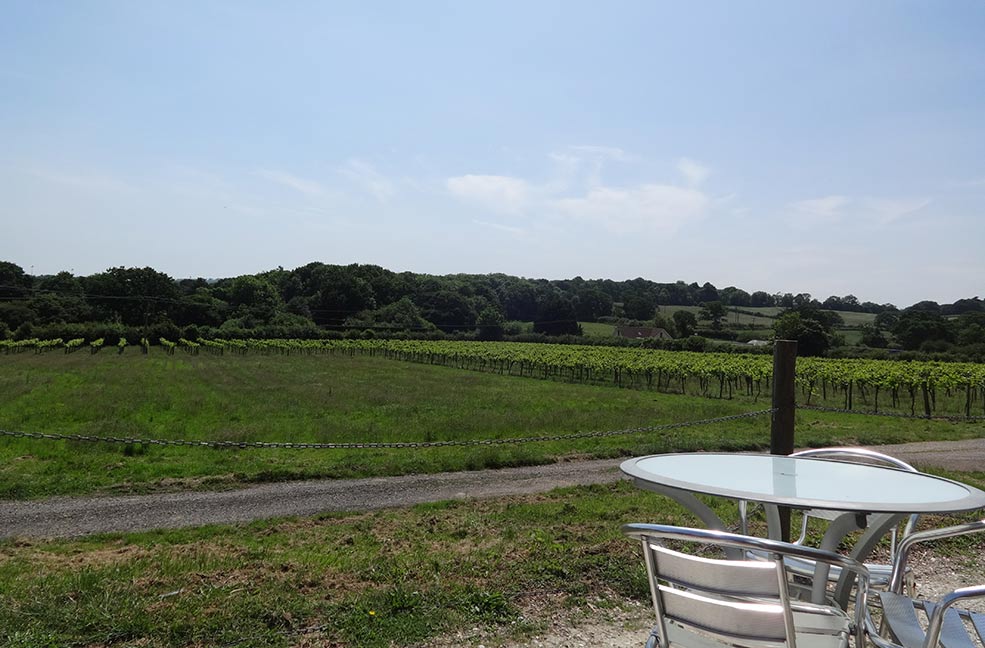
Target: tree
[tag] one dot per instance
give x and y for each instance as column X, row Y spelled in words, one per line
column 401, row 315
column 686, row 323
column 886, row 320
column 255, row 299
column 733, row 296
column 201, row 308
column 917, row 327
column 973, row 305
column 60, row 298
column 639, row 306
column 592, row 303
column 556, row 316
column 812, row 338
column 489, row 325
column 873, row 337
column 519, row 298
column 707, row 293
column 13, row 282
column 804, row 299
column 134, row 296
column 925, row 306
column 715, row 312
column 760, row 299
column 447, row 309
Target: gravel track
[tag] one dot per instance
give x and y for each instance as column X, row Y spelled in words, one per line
column 78, row 516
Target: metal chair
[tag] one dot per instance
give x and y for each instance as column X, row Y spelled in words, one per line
column 903, row 619
column 705, row 602
column 879, row 573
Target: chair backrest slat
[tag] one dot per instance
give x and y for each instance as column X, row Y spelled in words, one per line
column 751, row 621
column 731, row 577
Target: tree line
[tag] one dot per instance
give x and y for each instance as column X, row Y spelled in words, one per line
column 324, row 300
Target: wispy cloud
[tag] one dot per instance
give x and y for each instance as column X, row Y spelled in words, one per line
column 585, row 162
column 969, row 183
column 609, row 152
column 301, row 185
column 649, row 207
column 694, row 172
column 96, row 183
column 503, row 228
column 886, row 211
column 832, row 209
column 495, row 192
column 578, row 193
column 827, row 208
column 366, row 177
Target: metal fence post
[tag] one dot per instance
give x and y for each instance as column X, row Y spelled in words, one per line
column 784, row 410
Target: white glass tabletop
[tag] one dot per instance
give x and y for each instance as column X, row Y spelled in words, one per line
column 805, row 483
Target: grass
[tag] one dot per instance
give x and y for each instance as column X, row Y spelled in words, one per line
column 393, row 577
column 597, row 329
column 853, row 319
column 387, row 578
column 345, row 399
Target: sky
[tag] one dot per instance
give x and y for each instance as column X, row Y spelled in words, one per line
column 829, row 147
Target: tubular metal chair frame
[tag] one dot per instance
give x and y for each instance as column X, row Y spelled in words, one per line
column 900, row 626
column 720, row 595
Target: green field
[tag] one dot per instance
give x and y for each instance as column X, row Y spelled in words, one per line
column 344, row 399
column 501, row 568
column 597, row 329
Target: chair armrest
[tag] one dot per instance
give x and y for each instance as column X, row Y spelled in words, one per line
column 899, row 563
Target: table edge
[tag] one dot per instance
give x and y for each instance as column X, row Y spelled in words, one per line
column 974, row 500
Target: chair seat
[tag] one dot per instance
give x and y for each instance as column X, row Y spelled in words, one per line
column 902, row 616
column 815, row 629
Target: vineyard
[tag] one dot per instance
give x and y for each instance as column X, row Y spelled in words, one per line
column 916, row 388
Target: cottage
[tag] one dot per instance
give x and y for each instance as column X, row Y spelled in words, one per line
column 640, row 332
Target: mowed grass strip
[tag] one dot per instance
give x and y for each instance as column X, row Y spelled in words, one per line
column 347, row 399
column 398, row 577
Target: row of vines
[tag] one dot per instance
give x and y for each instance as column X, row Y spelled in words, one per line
column 920, row 388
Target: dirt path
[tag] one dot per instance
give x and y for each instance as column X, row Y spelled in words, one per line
column 76, row 516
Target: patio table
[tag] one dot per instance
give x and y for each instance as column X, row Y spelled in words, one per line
column 873, row 498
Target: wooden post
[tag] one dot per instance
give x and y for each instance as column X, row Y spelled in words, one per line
column 784, row 410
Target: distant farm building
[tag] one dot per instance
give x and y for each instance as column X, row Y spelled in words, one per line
column 758, row 343
column 642, row 332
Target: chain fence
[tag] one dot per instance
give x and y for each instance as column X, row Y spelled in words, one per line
column 381, row 444
column 903, row 415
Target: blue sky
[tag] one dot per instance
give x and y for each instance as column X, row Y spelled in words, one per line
column 829, row 148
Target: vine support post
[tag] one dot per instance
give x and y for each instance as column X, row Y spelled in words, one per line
column 784, row 410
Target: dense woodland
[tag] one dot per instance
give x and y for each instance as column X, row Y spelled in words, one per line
column 319, row 300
